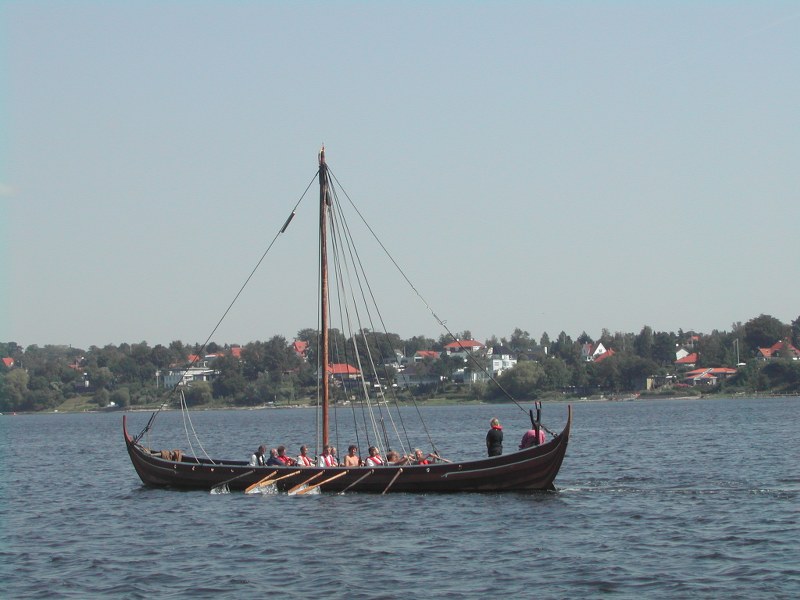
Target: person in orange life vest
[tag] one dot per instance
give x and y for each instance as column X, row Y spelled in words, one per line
column 257, row 459
column 419, row 459
column 531, row 439
column 494, row 439
column 304, row 460
column 325, row 459
column 334, row 457
column 374, row 459
column 286, row 460
column 352, row 459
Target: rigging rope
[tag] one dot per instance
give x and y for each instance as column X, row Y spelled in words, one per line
column 200, row 352
column 342, row 238
column 362, row 280
column 420, row 296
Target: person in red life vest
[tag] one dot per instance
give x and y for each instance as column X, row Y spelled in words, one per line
column 304, row 460
column 352, row 459
column 325, row 459
column 334, row 457
column 374, row 459
column 494, row 439
column 286, row 460
column 420, row 459
column 531, row 439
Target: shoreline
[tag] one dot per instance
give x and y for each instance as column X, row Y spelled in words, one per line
column 441, row 402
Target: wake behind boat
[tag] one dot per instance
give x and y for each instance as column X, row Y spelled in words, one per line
column 347, row 289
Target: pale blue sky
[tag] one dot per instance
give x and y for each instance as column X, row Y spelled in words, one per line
column 544, row 165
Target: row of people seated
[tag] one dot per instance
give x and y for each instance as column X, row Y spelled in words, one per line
column 277, row 458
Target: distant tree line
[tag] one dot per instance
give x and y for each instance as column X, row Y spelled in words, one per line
column 43, row 378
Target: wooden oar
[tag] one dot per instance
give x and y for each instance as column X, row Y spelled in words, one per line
column 268, row 481
column 271, row 481
column 400, row 470
column 316, row 485
column 260, row 482
column 224, row 483
column 306, row 482
column 359, row 480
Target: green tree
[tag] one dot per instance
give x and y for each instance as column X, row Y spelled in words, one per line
column 417, row 342
column 520, row 341
column 446, row 365
column 101, row 397
column 544, row 342
column 13, row 389
column 763, row 331
column 664, row 348
column 606, row 338
column 643, row 344
column 10, row 350
column 523, row 381
column 121, row 397
column 715, row 349
column 634, row 371
column 229, row 381
column 606, row 375
column 100, row 378
column 782, row 375
column 198, row 393
column 557, row 374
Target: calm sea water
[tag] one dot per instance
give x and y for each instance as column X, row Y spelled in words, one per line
column 658, row 499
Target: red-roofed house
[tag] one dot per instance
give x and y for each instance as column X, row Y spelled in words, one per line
column 421, row 355
column 300, row 348
column 343, row 371
column 463, row 347
column 708, row 376
column 782, row 349
column 8, row 362
column 590, row 352
column 607, row 354
column 236, row 351
column 689, row 360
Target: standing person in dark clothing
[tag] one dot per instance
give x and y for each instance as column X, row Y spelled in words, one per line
column 494, row 439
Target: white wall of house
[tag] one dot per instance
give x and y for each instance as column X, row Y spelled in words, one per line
column 502, row 363
column 186, row 376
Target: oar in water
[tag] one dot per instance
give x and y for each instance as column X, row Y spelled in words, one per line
column 268, row 481
column 282, row 477
column 306, row 482
column 316, row 485
column 261, row 482
column 217, row 488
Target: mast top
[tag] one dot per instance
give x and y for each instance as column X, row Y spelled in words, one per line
column 322, row 156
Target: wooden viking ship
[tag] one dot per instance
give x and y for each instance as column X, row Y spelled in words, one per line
column 531, row 469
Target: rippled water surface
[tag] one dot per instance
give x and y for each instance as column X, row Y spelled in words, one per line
column 656, row 499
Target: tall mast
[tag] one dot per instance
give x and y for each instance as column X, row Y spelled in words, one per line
column 324, row 201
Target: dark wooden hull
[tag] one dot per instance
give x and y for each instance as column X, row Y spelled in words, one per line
column 527, row 470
